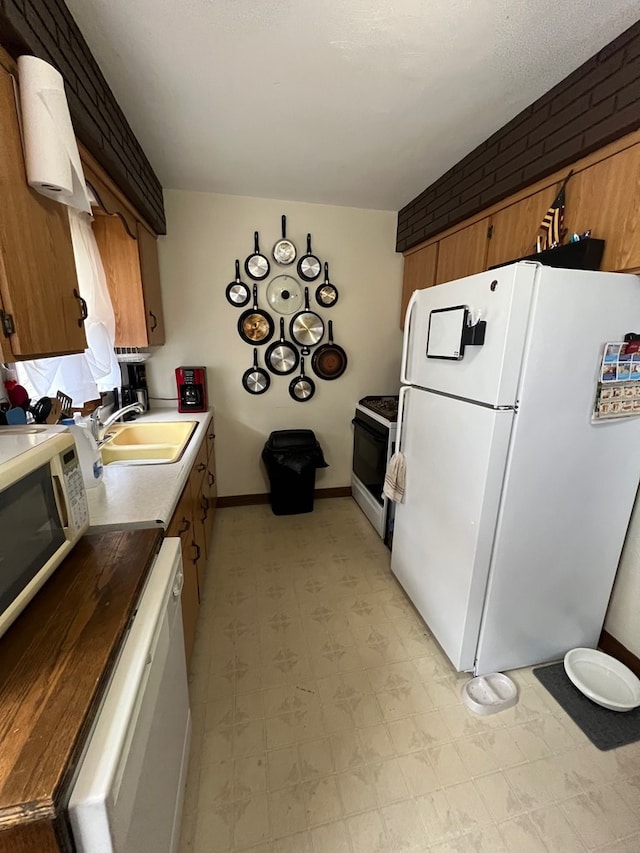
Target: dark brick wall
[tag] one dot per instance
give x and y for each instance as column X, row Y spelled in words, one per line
column 46, row 29
column 597, row 103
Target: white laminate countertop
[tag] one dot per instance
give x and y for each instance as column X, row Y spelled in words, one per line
column 138, row 496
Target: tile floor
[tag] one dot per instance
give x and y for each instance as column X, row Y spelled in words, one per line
column 327, row 720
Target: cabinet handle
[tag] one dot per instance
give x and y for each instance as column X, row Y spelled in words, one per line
column 154, row 324
column 204, row 506
column 212, row 478
column 84, row 313
column 197, row 547
column 200, row 467
column 211, row 436
column 187, row 524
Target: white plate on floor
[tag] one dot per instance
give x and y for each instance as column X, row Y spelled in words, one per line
column 603, row 679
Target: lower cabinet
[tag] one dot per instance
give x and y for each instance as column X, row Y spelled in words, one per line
column 193, row 522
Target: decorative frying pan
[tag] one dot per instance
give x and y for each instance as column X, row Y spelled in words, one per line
column 256, row 380
column 326, row 293
column 255, row 326
column 284, row 252
column 329, row 361
column 238, row 294
column 302, row 388
column 306, row 327
column 257, row 266
column 309, row 266
column 281, row 357
column 284, row 294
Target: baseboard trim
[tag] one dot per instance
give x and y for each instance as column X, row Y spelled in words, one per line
column 614, row 647
column 255, row 500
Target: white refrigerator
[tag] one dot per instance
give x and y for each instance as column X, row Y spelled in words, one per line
column 516, row 504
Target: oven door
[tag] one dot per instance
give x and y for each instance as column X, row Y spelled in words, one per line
column 370, row 445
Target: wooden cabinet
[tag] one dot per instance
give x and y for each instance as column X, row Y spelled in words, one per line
column 133, row 278
column 419, row 272
column 42, row 310
column 192, row 521
column 211, row 488
column 463, row 253
column 516, row 227
column 605, row 198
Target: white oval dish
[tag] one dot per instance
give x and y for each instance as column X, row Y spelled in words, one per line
column 488, row 694
column 603, row 679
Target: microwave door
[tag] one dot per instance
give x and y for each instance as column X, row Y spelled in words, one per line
column 30, row 532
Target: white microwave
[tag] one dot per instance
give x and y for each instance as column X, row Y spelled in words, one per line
column 43, row 512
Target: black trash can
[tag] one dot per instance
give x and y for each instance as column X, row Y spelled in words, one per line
column 291, row 457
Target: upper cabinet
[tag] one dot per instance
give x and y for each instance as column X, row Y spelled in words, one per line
column 605, row 198
column 42, row 311
column 419, row 272
column 516, row 227
column 129, row 255
column 463, row 253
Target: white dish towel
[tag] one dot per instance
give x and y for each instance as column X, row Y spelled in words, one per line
column 394, row 478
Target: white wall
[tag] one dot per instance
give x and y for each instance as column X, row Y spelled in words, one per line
column 623, row 615
column 206, row 233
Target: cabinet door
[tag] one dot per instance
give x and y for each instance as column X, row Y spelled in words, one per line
column 39, row 286
column 419, row 272
column 211, row 494
column 516, row 227
column 150, row 274
column 181, row 525
column 604, row 198
column 119, row 253
column 197, row 482
column 463, row 253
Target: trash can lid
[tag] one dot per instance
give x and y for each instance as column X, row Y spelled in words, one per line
column 291, row 439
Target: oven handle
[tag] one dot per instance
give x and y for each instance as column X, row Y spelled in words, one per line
column 375, row 435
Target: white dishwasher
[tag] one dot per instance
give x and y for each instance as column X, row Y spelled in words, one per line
column 128, row 794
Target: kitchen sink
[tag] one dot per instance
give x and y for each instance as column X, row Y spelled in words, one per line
column 173, row 433
column 146, row 444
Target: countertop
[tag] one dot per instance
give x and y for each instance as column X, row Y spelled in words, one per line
column 139, row 496
column 55, row 661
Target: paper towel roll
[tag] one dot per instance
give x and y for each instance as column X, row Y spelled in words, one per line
column 51, row 153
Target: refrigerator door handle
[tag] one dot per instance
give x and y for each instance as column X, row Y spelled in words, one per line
column 405, row 339
column 403, row 394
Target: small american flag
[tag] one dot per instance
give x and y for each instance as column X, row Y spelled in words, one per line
column 551, row 227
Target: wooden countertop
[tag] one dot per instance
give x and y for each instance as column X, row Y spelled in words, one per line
column 55, row 661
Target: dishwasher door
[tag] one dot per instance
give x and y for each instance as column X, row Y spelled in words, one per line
column 128, row 795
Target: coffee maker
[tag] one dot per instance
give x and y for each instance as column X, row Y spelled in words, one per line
column 134, row 384
column 191, row 383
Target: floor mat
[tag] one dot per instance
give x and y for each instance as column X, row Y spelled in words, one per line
column 605, row 729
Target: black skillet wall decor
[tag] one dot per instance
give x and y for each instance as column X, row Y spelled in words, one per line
column 286, row 294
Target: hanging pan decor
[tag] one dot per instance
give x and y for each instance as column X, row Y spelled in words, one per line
column 281, row 356
column 257, row 266
column 302, row 388
column 306, row 327
column 326, row 293
column 238, row 294
column 309, row 265
column 256, row 380
column 255, row 326
column 329, row 360
column 284, row 252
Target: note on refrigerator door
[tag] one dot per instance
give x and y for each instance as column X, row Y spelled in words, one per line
column 618, row 385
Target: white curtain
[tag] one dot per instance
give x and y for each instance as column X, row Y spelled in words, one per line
column 84, row 375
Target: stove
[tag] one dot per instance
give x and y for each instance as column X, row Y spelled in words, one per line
column 386, row 407
column 374, row 439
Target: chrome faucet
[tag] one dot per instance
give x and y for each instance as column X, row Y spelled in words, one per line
column 99, row 427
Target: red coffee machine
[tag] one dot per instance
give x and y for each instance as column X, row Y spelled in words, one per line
column 191, row 383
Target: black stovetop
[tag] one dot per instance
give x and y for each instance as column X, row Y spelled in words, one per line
column 385, row 406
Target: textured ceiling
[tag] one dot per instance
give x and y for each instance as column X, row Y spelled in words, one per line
column 348, row 102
